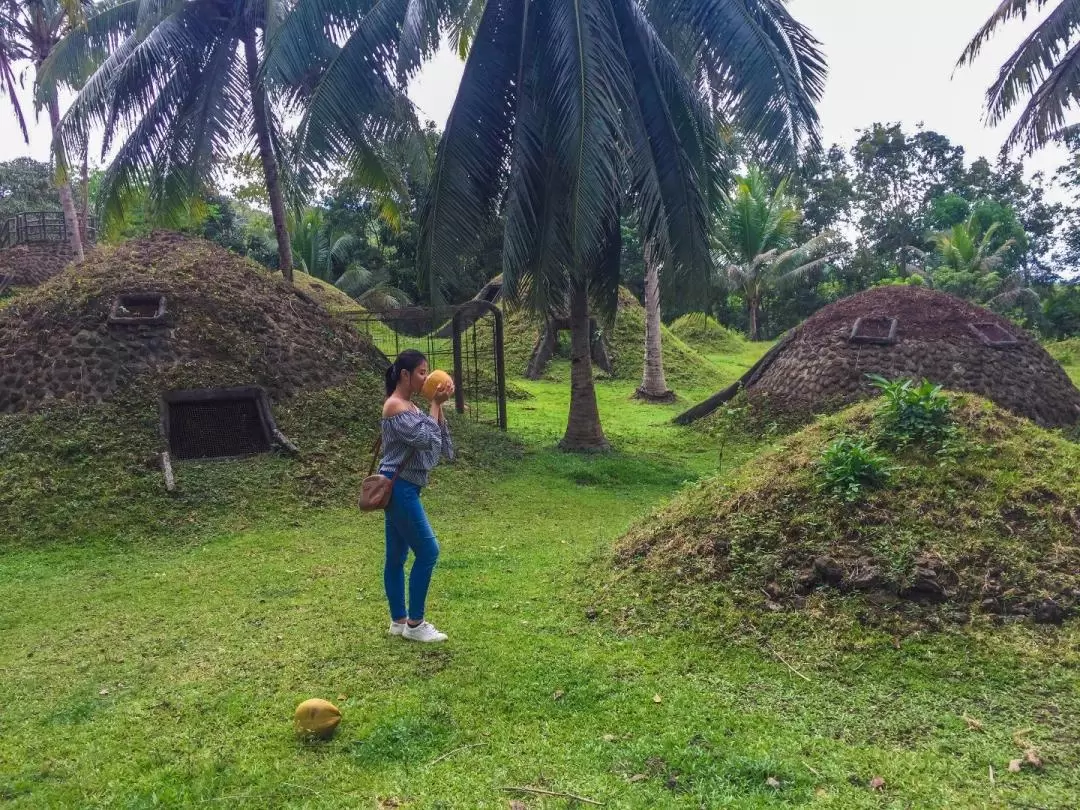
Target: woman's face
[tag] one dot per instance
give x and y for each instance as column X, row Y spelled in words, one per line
column 417, row 377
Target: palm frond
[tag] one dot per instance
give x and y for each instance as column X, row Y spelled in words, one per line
column 672, row 155
column 9, row 85
column 765, row 68
column 1006, row 11
column 86, row 46
column 354, row 280
column 469, row 164
column 463, row 27
column 383, row 297
column 1046, row 67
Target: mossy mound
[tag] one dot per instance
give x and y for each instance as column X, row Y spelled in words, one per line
column 325, row 293
column 226, row 322
column 707, row 335
column 683, row 367
column 87, row 475
column 991, row 527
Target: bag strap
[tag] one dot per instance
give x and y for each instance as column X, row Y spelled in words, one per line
column 375, row 460
column 375, row 454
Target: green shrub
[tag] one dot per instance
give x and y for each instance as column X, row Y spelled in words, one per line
column 849, row 466
column 910, row 412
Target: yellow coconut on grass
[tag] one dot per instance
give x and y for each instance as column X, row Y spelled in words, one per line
column 317, row 718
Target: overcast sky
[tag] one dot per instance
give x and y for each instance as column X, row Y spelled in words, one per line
column 888, row 61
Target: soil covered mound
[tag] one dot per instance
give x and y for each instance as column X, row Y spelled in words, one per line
column 900, row 331
column 169, row 312
column 985, row 524
column 29, row 265
column 705, row 334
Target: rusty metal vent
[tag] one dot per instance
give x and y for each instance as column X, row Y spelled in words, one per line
column 881, row 331
column 218, row 423
column 138, row 309
column 992, row 334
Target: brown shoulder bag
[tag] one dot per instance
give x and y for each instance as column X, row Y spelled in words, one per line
column 376, row 490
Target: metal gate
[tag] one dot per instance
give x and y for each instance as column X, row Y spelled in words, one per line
column 466, row 341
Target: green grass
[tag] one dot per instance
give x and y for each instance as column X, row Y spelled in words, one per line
column 1067, row 352
column 161, row 668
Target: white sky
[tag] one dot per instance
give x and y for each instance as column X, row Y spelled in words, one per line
column 888, row 61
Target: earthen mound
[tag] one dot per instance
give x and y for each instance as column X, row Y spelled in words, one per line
column 169, row 311
column 900, row 331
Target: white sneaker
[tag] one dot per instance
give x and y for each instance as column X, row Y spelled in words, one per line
column 396, row 629
column 423, row 632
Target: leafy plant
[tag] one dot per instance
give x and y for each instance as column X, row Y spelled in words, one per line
column 912, row 412
column 849, row 466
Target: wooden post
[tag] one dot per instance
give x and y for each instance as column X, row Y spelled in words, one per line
column 459, row 393
column 500, row 367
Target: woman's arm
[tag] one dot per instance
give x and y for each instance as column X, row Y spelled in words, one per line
column 444, row 392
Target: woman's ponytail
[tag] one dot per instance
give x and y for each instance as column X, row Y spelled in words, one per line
column 408, row 360
column 392, row 376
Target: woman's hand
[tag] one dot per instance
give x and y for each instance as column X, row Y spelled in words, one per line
column 444, row 392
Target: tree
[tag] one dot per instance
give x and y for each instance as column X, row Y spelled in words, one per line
column 564, row 105
column 755, row 242
column 896, row 177
column 26, row 185
column 30, row 31
column 973, row 264
column 1045, row 68
column 187, row 77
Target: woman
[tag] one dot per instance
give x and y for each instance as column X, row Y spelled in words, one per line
column 413, row 442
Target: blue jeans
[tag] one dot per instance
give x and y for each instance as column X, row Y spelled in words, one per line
column 407, row 528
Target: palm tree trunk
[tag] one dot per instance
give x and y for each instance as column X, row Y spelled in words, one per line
column 84, row 195
column 266, row 153
column 583, row 430
column 754, row 306
column 67, row 202
column 653, row 385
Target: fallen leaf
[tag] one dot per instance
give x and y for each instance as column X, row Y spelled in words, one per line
column 1031, row 756
column 821, row 792
column 608, row 738
column 516, row 805
column 389, row 804
column 1014, row 765
column 103, row 692
column 773, row 782
column 559, row 694
column 657, row 699
column 637, row 777
column 973, row 724
column 342, row 697
column 877, row 783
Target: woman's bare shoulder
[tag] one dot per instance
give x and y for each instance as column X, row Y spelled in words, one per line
column 394, row 406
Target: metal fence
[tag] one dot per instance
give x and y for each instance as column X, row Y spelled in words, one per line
column 466, row 341
column 36, row 227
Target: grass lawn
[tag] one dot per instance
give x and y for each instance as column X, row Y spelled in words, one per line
column 165, row 672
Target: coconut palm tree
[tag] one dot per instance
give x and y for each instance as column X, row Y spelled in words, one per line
column 969, row 264
column 569, row 112
column 1044, row 69
column 755, row 244
column 962, row 249
column 29, row 32
column 564, row 105
column 185, row 80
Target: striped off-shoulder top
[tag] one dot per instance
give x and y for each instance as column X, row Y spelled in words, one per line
column 416, row 431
